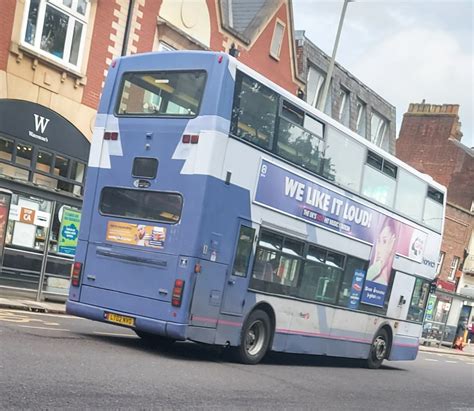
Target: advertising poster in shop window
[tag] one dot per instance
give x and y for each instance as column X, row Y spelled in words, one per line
column 69, row 231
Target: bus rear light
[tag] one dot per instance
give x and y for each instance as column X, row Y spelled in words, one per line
column 186, row 138
column 190, row 138
column 177, row 293
column 108, row 135
column 76, row 274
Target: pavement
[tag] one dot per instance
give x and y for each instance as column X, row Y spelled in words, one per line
column 32, row 305
column 60, row 308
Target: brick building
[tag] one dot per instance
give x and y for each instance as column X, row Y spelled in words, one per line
column 349, row 101
column 54, row 56
column 430, row 142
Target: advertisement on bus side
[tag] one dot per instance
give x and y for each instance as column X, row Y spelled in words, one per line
column 282, row 190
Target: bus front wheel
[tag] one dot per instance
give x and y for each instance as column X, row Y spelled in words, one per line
column 255, row 338
column 378, row 350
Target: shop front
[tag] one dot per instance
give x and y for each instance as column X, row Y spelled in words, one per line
column 43, row 161
column 445, row 310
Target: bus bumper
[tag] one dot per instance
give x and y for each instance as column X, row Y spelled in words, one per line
column 169, row 329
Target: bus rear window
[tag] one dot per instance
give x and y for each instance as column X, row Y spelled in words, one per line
column 153, row 206
column 163, row 93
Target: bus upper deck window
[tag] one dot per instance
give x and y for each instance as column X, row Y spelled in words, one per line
column 161, row 93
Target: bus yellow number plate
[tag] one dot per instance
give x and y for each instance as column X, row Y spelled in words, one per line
column 120, row 319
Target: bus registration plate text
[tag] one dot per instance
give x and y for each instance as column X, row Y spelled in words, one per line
column 120, row 319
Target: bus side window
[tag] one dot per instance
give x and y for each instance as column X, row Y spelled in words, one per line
column 243, row 251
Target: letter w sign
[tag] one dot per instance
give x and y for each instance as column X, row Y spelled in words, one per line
column 40, row 123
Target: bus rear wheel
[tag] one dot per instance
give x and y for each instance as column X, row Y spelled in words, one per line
column 255, row 338
column 153, row 339
column 378, row 350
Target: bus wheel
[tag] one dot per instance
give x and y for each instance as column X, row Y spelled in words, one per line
column 255, row 338
column 153, row 339
column 378, row 350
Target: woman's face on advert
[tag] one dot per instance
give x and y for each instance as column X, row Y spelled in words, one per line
column 385, row 244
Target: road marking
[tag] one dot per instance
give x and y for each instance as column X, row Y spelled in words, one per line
column 45, row 314
column 114, row 334
column 44, row 328
column 451, row 362
column 431, row 359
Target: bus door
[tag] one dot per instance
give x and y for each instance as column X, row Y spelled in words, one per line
column 238, row 274
column 400, row 297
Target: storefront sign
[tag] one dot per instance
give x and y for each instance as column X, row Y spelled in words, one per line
column 356, row 289
column 42, row 126
column 136, row 234
column 41, row 218
column 69, row 231
column 27, row 215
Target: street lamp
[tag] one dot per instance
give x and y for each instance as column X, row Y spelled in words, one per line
column 327, row 83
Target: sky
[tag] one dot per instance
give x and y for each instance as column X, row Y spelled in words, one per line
column 406, row 51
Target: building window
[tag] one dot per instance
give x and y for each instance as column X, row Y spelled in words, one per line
column 361, row 122
column 344, row 107
column 453, row 268
column 378, row 128
column 162, row 46
column 57, row 29
column 439, row 264
column 277, row 39
column 314, row 86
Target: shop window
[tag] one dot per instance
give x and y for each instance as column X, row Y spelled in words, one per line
column 24, row 154
column 61, row 166
column 6, row 149
column 56, row 29
column 44, row 161
column 78, row 170
column 28, row 219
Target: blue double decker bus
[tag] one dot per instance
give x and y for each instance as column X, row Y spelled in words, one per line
column 221, row 209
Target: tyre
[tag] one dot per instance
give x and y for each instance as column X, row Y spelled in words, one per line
column 378, row 350
column 255, row 338
column 153, row 339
